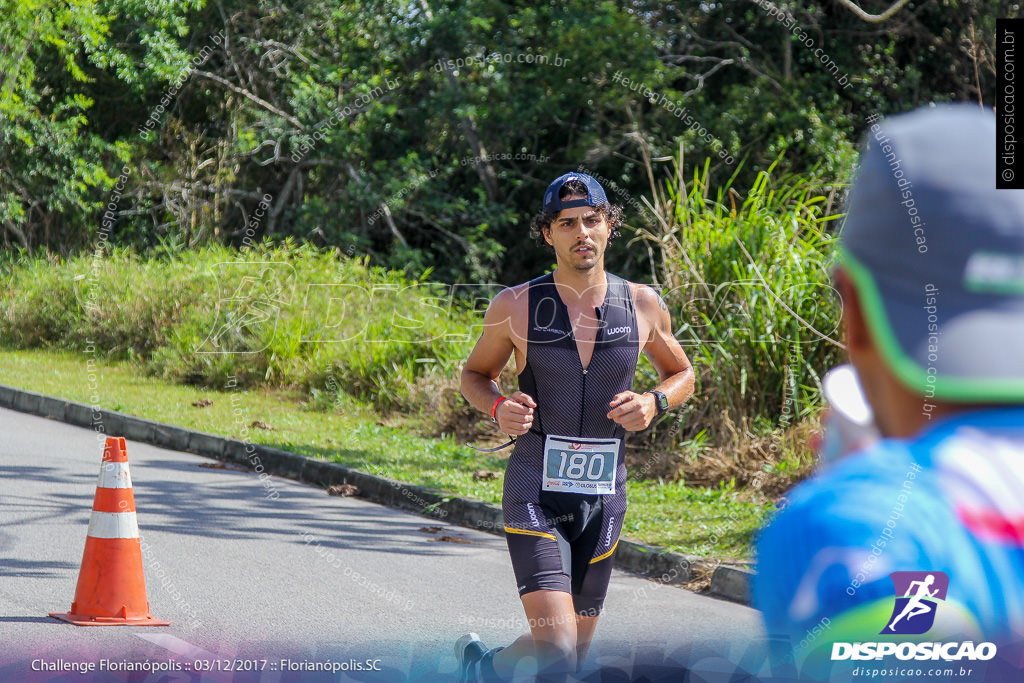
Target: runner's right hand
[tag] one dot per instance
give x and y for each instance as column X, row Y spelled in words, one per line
column 515, row 414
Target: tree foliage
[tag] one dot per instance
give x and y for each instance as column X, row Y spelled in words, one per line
column 421, row 133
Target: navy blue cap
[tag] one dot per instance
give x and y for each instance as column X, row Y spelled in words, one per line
column 595, row 193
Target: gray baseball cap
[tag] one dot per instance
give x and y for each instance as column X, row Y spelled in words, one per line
column 936, row 255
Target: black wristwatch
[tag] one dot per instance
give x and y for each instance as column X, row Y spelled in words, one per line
column 660, row 400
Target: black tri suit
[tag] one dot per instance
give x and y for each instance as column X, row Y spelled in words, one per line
column 561, row 536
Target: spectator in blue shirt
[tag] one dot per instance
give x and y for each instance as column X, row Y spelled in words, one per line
column 931, row 274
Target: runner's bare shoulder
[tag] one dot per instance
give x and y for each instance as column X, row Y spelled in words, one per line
column 646, row 298
column 510, row 310
column 651, row 308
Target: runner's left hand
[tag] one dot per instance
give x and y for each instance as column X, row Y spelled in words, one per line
column 632, row 410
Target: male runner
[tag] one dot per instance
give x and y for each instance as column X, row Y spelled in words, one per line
column 576, row 334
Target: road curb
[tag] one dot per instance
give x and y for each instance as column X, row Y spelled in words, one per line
column 650, row 561
column 731, row 583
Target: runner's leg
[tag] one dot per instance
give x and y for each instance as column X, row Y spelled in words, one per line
column 552, row 641
column 593, row 554
column 585, row 627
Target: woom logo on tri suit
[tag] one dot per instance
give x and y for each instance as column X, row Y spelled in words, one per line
column 918, row 595
column 533, row 515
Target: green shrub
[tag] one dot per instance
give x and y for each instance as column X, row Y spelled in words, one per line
column 285, row 315
column 747, row 279
column 745, row 276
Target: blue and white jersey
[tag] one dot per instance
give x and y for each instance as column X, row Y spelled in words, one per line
column 949, row 500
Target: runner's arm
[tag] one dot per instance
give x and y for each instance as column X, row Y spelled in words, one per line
column 636, row 411
column 663, row 350
column 479, row 381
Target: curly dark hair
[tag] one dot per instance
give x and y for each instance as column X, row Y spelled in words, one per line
column 543, row 220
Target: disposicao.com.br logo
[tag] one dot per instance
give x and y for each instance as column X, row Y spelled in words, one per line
column 918, row 596
column 914, row 612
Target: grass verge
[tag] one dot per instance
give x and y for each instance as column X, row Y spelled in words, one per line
column 714, row 522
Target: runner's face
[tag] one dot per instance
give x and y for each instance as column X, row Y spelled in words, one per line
column 579, row 237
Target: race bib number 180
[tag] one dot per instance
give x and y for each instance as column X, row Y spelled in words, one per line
column 576, row 465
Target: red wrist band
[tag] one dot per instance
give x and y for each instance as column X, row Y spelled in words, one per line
column 494, row 408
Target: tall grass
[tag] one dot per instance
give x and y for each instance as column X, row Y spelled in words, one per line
column 285, row 315
column 746, row 277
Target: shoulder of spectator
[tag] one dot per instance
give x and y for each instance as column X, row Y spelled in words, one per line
column 814, row 547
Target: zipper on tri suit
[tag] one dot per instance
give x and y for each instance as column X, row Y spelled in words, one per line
column 583, row 400
column 583, row 393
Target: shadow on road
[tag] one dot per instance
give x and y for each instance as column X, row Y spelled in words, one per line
column 45, row 474
column 233, row 508
column 29, row 569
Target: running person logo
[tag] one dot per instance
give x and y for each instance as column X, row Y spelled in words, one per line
column 917, row 598
column 918, row 595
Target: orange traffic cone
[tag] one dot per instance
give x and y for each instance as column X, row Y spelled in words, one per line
column 111, row 584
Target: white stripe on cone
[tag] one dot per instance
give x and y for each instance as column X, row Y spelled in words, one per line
column 113, row 525
column 114, row 475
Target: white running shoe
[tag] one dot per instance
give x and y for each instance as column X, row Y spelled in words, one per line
column 468, row 652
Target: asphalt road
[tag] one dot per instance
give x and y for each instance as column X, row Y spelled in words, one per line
column 301, row 576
